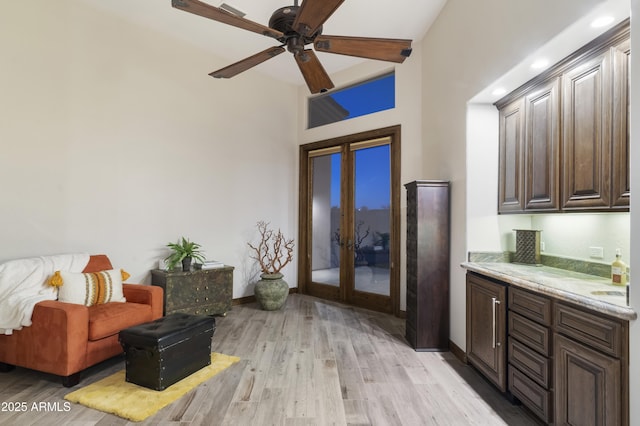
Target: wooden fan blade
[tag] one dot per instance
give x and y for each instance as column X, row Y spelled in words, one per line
column 314, row 13
column 206, row 10
column 384, row 49
column 245, row 64
column 313, row 72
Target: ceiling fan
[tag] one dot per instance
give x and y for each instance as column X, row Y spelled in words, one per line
column 295, row 27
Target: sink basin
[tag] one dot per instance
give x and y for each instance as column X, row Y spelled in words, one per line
column 608, row 293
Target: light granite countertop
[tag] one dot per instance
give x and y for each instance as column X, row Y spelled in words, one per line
column 589, row 291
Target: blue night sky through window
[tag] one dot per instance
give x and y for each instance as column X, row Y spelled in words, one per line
column 369, row 97
column 372, row 175
column 373, row 172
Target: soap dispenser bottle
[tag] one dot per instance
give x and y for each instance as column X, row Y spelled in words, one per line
column 618, row 270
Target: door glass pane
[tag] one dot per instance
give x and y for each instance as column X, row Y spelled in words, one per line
column 325, row 219
column 372, row 219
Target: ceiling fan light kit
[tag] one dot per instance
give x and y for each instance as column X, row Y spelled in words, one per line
column 295, row 27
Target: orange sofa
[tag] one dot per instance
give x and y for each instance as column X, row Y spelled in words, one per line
column 66, row 338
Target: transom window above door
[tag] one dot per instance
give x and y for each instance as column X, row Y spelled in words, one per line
column 367, row 97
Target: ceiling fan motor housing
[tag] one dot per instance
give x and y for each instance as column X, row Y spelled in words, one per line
column 282, row 20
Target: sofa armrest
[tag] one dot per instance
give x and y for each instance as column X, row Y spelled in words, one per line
column 147, row 295
column 56, row 341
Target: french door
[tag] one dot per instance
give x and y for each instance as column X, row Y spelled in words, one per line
column 349, row 219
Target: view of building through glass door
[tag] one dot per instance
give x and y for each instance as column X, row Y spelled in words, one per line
column 350, row 223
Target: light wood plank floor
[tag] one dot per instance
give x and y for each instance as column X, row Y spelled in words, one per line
column 312, row 363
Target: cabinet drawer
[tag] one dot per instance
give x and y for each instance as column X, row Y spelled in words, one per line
column 534, row 335
column 534, row 396
column 186, row 300
column 215, row 309
column 591, row 329
column 210, row 309
column 534, row 365
column 532, row 306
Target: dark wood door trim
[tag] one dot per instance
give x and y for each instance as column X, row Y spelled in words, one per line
column 304, row 214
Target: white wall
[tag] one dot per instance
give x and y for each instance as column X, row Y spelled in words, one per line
column 115, row 140
column 406, row 113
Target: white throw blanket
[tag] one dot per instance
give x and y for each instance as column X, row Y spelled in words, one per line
column 23, row 283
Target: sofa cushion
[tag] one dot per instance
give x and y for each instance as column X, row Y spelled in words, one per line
column 109, row 318
column 91, row 288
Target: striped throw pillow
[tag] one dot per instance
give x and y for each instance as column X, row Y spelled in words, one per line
column 92, row 288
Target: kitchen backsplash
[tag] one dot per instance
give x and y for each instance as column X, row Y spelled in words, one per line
column 583, row 266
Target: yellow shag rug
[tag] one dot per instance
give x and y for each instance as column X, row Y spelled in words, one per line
column 116, row 396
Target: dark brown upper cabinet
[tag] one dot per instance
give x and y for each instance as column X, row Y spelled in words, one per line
column 621, row 189
column 564, row 135
column 542, row 147
column 511, row 176
column 586, row 134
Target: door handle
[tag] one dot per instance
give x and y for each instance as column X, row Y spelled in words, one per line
column 494, row 302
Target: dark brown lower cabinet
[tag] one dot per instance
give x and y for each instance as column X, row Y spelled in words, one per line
column 486, row 328
column 590, row 368
column 587, row 390
column 569, row 365
column 530, row 339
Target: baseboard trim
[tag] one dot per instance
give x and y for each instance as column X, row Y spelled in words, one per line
column 243, row 300
column 457, row 352
column 252, row 299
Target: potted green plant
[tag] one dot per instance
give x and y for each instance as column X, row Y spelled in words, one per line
column 184, row 251
column 273, row 253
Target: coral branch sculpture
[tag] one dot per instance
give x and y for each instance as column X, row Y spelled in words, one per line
column 274, row 251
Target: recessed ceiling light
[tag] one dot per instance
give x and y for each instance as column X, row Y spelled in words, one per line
column 499, row 91
column 540, row 64
column 603, row 21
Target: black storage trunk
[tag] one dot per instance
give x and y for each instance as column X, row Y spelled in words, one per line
column 164, row 351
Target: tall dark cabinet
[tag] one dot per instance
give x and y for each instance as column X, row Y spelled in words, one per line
column 427, row 326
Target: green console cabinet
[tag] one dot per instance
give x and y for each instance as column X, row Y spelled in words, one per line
column 198, row 292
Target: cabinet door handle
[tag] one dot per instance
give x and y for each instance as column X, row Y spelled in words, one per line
column 494, row 302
